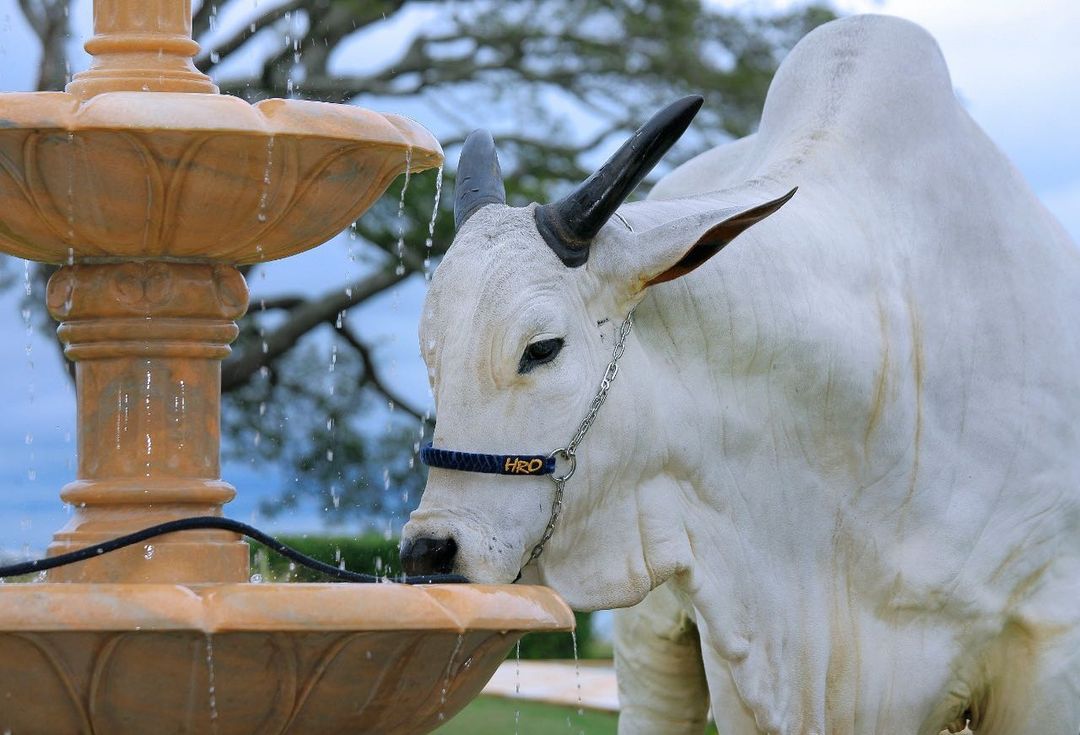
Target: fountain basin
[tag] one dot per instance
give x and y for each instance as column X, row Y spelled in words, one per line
column 181, row 175
column 255, row 659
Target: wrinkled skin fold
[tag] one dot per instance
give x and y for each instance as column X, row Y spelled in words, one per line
column 842, row 452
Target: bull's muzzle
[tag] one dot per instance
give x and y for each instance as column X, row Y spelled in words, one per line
column 428, row 556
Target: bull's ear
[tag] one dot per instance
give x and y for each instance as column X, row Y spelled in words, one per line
column 686, row 244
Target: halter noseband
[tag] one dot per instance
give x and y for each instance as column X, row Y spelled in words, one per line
column 491, row 464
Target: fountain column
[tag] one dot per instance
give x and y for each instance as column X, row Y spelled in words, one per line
column 147, row 339
column 141, row 46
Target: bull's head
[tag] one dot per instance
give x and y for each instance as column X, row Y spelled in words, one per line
column 516, row 332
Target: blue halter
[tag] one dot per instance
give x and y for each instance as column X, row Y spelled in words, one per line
column 492, row 464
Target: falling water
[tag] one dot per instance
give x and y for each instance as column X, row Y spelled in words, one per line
column 577, row 675
column 431, row 225
column 122, row 401
column 71, row 188
column 146, row 410
column 517, row 685
column 449, row 671
column 212, row 685
column 180, row 404
column 264, row 197
column 28, row 288
column 400, row 270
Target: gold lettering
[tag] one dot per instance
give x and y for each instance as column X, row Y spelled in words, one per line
column 509, row 465
column 535, row 464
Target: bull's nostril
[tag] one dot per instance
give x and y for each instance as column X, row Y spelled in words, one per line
column 428, row 556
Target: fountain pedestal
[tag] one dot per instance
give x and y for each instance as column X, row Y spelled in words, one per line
column 148, row 188
column 147, row 339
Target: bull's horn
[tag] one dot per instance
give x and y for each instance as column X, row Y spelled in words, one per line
column 569, row 225
column 479, row 178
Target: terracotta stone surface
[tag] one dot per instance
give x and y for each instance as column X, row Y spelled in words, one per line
column 137, row 659
column 149, row 188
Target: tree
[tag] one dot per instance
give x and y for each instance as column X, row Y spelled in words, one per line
column 559, row 81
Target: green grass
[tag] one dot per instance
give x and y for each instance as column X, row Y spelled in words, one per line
column 495, row 716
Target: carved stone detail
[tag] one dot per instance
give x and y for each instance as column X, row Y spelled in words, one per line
column 202, row 177
column 144, row 289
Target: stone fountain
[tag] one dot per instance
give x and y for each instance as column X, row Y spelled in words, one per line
column 148, row 188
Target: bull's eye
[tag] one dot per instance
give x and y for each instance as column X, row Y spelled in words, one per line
column 537, row 353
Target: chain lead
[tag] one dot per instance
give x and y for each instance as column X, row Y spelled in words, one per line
column 569, row 452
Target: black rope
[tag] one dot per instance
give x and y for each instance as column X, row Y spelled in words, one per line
column 223, row 524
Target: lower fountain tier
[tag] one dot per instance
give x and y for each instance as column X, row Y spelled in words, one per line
column 261, row 659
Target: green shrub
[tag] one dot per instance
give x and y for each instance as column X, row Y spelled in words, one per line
column 375, row 554
column 370, row 553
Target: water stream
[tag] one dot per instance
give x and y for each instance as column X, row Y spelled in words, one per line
column 577, row 676
column 431, row 225
column 28, row 290
column 264, row 197
column 211, row 684
column 517, row 686
column 449, row 673
column 400, row 249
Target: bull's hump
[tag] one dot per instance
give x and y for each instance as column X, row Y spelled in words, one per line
column 866, row 81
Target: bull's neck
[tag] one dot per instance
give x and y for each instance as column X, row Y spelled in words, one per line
column 757, row 545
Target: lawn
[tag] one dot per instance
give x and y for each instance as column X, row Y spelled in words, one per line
column 495, row 716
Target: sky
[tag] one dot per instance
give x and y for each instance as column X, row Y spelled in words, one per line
column 1014, row 64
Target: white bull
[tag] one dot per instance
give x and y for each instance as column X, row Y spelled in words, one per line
column 845, row 449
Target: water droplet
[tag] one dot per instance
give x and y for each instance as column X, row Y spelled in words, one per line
column 256, row 578
column 148, row 552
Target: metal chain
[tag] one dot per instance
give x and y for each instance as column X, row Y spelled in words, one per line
column 569, row 452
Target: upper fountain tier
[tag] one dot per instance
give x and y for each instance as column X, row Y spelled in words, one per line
column 191, row 176
column 141, row 158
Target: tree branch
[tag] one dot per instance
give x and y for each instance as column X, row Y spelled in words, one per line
column 371, row 373
column 243, row 364
column 33, row 17
column 274, row 303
